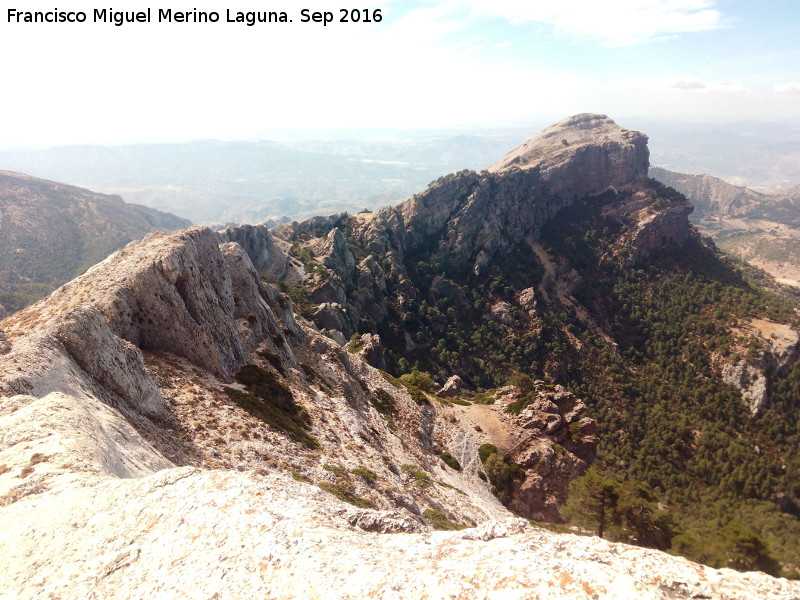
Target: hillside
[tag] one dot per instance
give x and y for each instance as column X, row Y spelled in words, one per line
column 171, row 420
column 761, row 229
column 51, row 232
column 249, row 182
column 565, row 263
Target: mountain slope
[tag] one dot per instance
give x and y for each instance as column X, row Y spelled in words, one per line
column 566, row 264
column 97, row 410
column 169, row 409
column 762, row 229
column 50, row 232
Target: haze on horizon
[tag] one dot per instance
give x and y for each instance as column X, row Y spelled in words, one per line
column 427, row 64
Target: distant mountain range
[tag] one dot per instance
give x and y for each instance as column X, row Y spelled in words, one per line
column 762, row 229
column 215, row 183
column 50, row 232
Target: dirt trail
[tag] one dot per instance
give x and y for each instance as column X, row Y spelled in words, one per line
column 498, row 431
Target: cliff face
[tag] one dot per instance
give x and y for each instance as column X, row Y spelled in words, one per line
column 465, row 222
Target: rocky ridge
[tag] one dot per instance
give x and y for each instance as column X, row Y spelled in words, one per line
column 467, row 221
column 761, row 229
column 130, row 439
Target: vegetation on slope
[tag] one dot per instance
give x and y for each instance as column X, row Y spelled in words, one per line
column 50, row 233
column 641, row 345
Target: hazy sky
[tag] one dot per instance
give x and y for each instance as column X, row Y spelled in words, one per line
column 426, row 64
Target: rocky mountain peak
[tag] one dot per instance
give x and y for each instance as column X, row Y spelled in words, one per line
column 563, row 141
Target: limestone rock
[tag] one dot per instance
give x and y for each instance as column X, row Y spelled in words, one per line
column 371, row 350
column 168, row 292
column 384, row 522
column 663, row 229
column 184, row 531
column 5, row 347
column 267, row 257
column 527, row 299
column 780, row 348
column 333, row 316
column 751, row 382
column 602, row 152
column 452, row 387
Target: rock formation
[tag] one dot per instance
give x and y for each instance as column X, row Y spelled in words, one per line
column 169, row 425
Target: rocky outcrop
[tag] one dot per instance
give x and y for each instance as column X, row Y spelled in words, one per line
column 235, row 535
column 712, row 196
column 370, row 350
column 468, row 218
column 267, row 257
column 551, row 439
column 581, row 155
column 452, row 387
column 465, row 221
column 772, row 348
column 667, row 228
column 560, row 443
column 171, row 293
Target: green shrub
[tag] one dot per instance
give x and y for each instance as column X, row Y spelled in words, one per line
column 344, row 494
column 417, row 395
column 501, row 473
column 274, row 360
column 485, row 451
column 422, row 479
column 450, row 460
column 335, row 468
column 419, row 379
column 271, row 401
column 383, row 402
column 484, row 398
column 314, row 376
column 438, row 520
column 366, row 474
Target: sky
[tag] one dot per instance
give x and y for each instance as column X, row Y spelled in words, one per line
column 426, row 64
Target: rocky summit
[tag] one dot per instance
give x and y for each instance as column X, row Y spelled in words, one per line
column 209, row 414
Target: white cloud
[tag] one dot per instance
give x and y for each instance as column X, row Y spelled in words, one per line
column 788, row 88
column 614, row 23
column 689, row 85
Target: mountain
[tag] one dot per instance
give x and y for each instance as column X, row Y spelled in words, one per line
column 296, row 175
column 249, row 182
column 565, row 263
column 51, row 232
column 762, row 229
column 170, row 422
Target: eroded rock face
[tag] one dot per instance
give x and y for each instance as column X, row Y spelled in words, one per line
column 452, row 387
column 93, row 503
column 663, row 229
column 267, row 257
column 561, row 444
column 239, row 535
column 778, row 349
column 603, row 154
column 465, row 221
